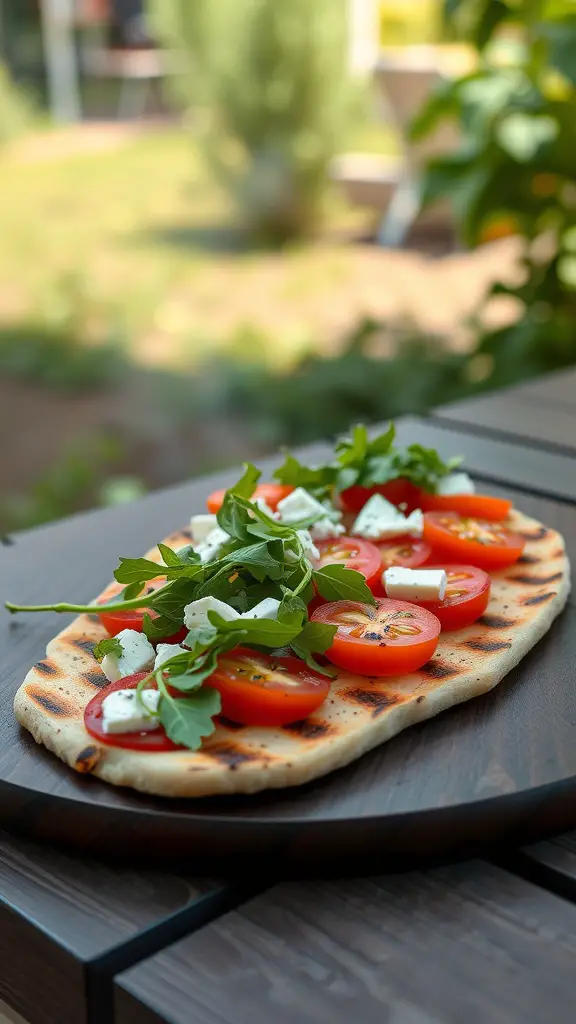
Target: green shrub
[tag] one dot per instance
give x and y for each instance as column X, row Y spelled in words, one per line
column 271, row 86
column 517, row 168
column 323, row 396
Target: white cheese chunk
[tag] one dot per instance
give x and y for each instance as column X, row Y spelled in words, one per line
column 196, row 613
column 210, row 548
column 124, row 711
column 201, row 526
column 299, row 504
column 456, row 483
column 137, row 656
column 325, row 529
column 164, row 652
column 414, row 584
column 380, row 520
column 310, row 549
column 266, row 609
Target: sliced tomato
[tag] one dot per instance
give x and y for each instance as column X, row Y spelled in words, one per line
column 467, row 596
column 398, row 492
column 271, row 493
column 479, row 542
column 115, row 622
column 153, row 742
column 479, row 506
column 353, row 553
column 405, row 551
column 392, row 638
column 258, row 689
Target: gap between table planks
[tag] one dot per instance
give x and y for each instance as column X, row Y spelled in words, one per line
column 470, row 942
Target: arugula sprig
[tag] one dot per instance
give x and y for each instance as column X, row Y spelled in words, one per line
column 263, row 558
column 361, row 461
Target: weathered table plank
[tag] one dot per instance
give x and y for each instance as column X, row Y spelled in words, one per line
column 520, row 417
column 466, row 943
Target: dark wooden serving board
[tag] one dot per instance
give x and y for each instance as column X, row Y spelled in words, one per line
column 499, row 767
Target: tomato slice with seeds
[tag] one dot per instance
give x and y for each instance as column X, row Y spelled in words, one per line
column 398, row 492
column 408, row 552
column 471, row 541
column 115, row 622
column 392, row 638
column 152, row 742
column 467, row 596
column 354, row 553
column 481, row 506
column 258, row 689
column 271, row 493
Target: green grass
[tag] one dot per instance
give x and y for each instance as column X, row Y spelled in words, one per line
column 147, row 240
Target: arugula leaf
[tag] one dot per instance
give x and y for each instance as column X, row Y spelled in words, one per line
column 158, row 628
column 317, row 480
column 188, row 719
column 246, row 485
column 265, row 632
column 337, row 583
column 169, row 557
column 187, row 555
column 171, row 599
column 137, row 570
column 109, row 645
column 189, row 677
column 234, row 518
column 315, row 638
column 133, row 590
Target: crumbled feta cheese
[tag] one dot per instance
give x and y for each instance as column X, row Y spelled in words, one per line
column 325, row 529
column 310, row 549
column 299, row 504
column 196, row 613
column 137, row 656
column 210, row 548
column 124, row 711
column 380, row 520
column 201, row 526
column 164, row 652
column 456, row 483
column 415, row 584
column 266, row 609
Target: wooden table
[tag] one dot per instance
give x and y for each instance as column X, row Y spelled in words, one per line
column 490, row 941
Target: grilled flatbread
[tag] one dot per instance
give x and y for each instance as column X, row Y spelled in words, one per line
column 359, row 714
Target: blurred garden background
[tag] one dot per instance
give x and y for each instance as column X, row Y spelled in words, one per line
column 230, row 225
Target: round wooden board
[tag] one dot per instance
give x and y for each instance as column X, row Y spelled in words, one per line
column 501, row 768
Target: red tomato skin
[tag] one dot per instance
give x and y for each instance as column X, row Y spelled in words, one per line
column 366, row 557
column 398, row 492
column 447, row 547
column 363, row 657
column 476, row 506
column 459, row 616
column 272, row 494
column 155, row 742
column 250, row 704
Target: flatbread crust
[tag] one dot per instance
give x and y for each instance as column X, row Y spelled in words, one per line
column 359, row 714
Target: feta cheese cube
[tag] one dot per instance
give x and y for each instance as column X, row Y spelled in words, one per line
column 124, row 711
column 210, row 548
column 310, row 549
column 266, row 609
column 415, row 584
column 380, row 520
column 201, row 526
column 137, row 656
column 196, row 613
column 164, row 652
column 456, row 483
column 326, row 528
column 299, row 505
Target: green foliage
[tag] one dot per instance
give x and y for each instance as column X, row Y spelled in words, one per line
column 517, row 166
column 271, row 81
column 324, row 396
column 79, row 479
column 16, row 110
column 405, row 24
column 53, row 348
